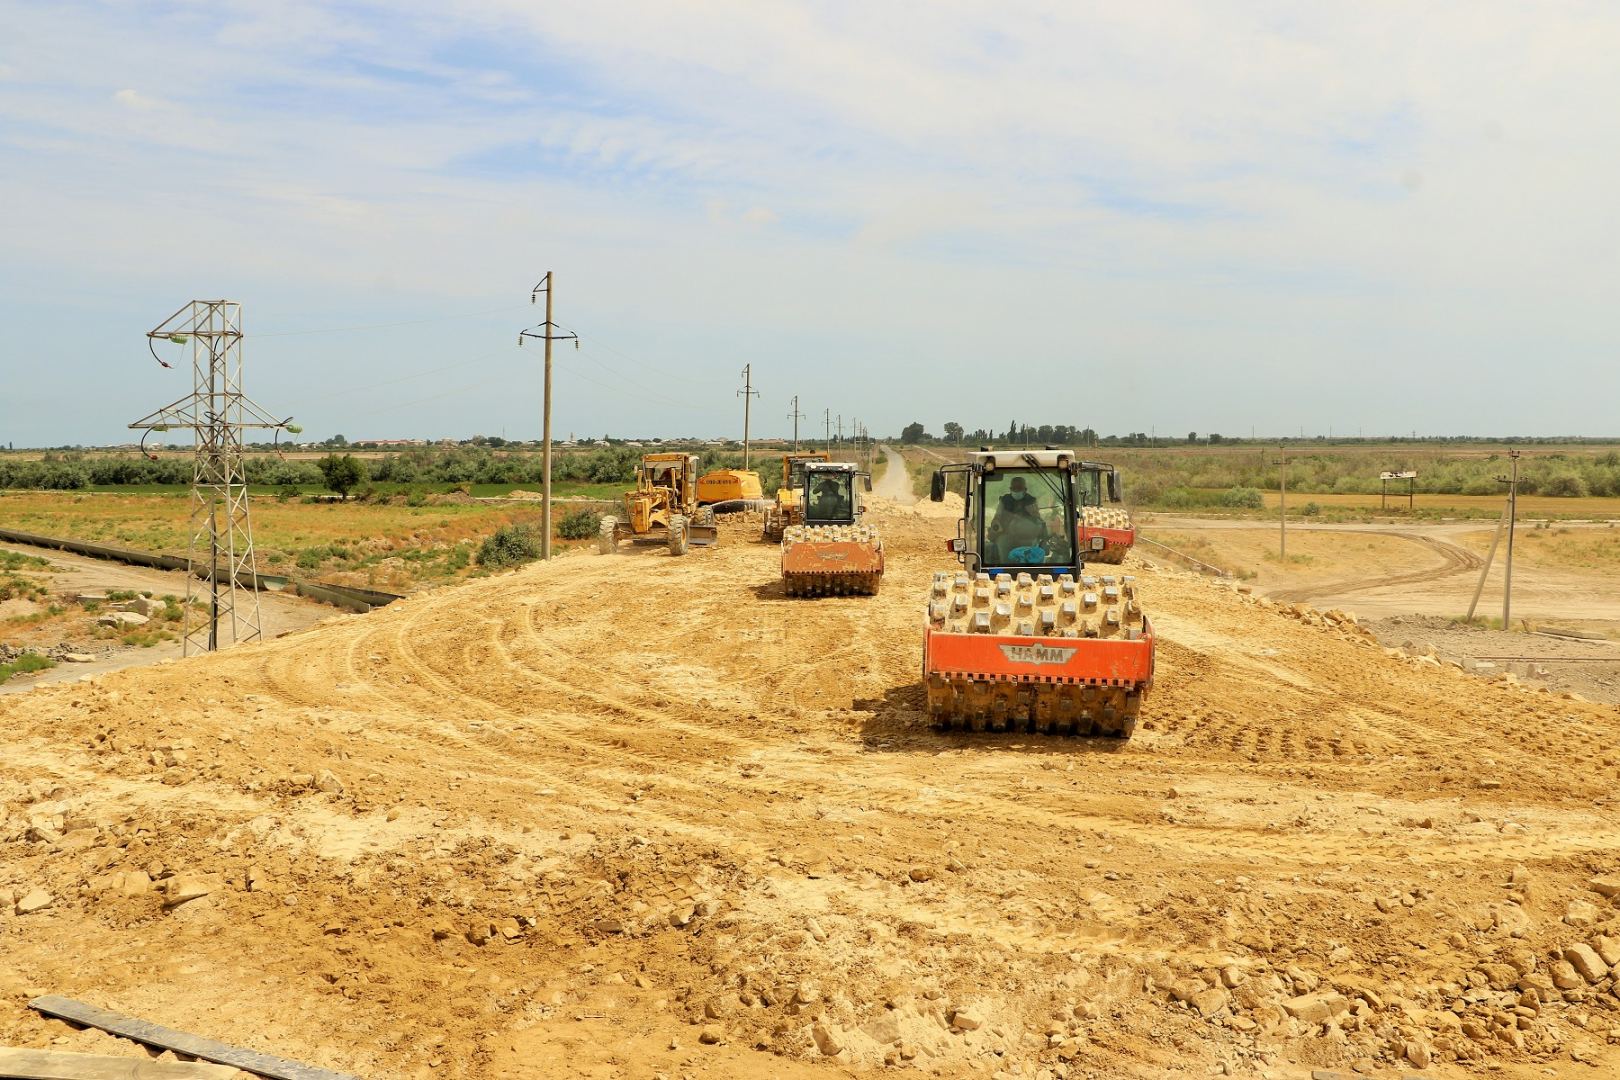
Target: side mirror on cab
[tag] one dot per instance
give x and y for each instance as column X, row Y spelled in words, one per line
column 936, row 487
column 1116, row 490
column 866, row 481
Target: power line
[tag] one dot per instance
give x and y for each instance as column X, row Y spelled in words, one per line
column 385, row 325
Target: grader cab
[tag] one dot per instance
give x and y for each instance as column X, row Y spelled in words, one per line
column 789, row 506
column 663, row 509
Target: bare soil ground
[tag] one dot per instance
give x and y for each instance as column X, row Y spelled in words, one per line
column 630, row 815
column 1379, row 570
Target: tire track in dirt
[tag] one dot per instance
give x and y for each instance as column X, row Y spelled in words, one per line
column 1454, row 560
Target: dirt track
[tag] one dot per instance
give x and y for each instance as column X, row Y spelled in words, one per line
column 564, row 821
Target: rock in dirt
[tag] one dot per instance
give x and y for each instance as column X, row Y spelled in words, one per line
column 183, row 890
column 119, row 619
column 962, row 1020
column 711, row 1034
column 1316, row 1008
column 1586, row 961
column 34, row 900
column 1606, row 885
column 825, row 1040
column 1580, row 913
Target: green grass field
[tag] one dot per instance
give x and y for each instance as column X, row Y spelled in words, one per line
column 384, row 545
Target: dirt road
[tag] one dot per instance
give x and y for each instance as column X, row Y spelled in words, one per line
column 628, row 815
column 1437, row 576
column 71, row 574
column 894, row 482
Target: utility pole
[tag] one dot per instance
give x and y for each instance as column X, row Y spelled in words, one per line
column 547, row 333
column 826, row 423
column 1282, row 502
column 1512, row 515
column 840, row 429
column 747, row 393
column 795, row 416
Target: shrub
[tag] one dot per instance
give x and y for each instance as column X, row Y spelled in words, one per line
column 24, row 664
column 580, row 525
column 1566, row 485
column 1243, row 498
column 1310, row 509
column 510, row 545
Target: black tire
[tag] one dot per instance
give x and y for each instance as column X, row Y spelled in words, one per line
column 607, row 542
column 679, row 542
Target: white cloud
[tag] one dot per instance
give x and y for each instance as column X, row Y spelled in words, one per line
column 134, row 99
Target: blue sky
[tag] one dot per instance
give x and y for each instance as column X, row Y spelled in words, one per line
column 1170, row 216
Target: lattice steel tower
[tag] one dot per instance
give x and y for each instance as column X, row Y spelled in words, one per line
column 216, row 412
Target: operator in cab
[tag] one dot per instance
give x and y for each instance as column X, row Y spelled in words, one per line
column 831, row 499
column 1016, row 530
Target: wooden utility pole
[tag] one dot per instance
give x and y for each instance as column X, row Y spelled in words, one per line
column 826, row 423
column 1282, row 502
column 748, row 394
column 795, row 416
column 548, row 333
column 545, row 438
column 1512, row 517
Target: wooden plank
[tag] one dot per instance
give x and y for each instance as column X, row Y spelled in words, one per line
column 22, row 1064
column 150, row 1034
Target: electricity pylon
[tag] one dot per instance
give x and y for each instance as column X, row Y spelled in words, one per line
column 216, row 412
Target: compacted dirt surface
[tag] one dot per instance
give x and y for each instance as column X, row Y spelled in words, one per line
column 637, row 815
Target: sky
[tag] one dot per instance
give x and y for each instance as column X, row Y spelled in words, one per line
column 1161, row 216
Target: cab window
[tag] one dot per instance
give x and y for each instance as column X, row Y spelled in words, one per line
column 831, row 496
column 1026, row 519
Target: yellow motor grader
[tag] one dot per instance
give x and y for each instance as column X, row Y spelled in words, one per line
column 789, row 508
column 663, row 509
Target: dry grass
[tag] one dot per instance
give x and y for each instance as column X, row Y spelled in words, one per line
column 1559, row 547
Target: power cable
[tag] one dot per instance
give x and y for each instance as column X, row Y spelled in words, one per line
column 385, row 325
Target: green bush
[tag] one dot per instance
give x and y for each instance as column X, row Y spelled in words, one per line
column 1565, row 484
column 24, row 664
column 1310, row 509
column 1243, row 498
column 580, row 525
column 511, row 545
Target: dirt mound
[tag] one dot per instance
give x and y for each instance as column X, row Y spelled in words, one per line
column 641, row 810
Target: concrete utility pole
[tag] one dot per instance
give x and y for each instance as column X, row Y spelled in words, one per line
column 1282, row 502
column 840, row 429
column 795, row 416
column 747, row 393
column 547, row 333
column 826, row 423
column 1490, row 557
